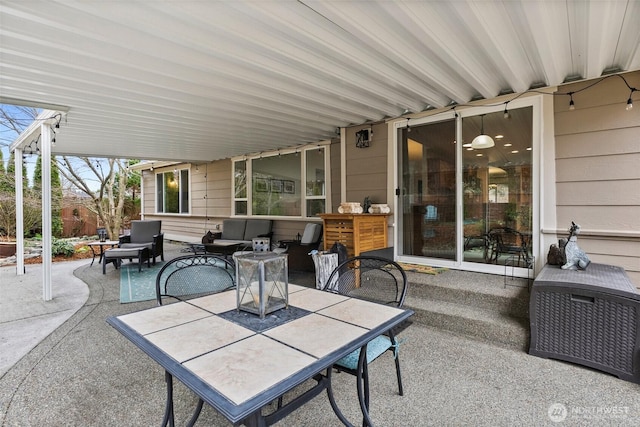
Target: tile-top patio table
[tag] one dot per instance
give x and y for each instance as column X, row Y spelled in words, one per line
column 238, row 363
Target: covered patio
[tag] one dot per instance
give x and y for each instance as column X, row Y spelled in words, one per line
column 198, row 82
column 85, row 373
column 203, row 82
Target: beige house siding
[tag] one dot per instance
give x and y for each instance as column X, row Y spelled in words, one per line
column 598, row 170
column 366, row 168
column 210, row 201
column 336, row 177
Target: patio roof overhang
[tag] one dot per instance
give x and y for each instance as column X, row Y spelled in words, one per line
column 185, row 81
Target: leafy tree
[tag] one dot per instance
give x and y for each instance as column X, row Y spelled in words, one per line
column 32, row 214
column 13, row 120
column 107, row 182
column 11, row 173
column 108, row 199
column 6, row 184
column 56, row 194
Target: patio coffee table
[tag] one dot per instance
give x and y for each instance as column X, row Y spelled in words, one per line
column 202, row 343
column 101, row 245
column 116, row 255
column 222, row 248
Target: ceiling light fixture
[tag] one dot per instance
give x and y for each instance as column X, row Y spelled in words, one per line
column 482, row 141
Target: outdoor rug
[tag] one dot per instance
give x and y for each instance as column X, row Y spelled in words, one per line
column 138, row 286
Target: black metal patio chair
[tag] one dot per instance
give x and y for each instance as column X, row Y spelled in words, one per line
column 188, row 277
column 377, row 280
column 506, row 241
column 194, row 275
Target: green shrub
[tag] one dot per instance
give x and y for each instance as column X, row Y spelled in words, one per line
column 62, row 247
column 82, row 249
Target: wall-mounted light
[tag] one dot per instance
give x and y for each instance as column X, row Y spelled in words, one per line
column 363, row 138
column 482, row 141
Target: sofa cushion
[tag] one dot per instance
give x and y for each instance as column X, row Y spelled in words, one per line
column 233, row 229
column 311, row 234
column 257, row 227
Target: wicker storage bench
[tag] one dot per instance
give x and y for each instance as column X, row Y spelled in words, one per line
column 590, row 317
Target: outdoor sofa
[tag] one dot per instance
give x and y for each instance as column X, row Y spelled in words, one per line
column 242, row 231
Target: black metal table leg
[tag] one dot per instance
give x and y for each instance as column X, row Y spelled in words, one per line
column 168, row 419
column 94, row 255
column 196, row 413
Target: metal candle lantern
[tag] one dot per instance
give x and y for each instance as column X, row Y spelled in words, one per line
column 262, row 282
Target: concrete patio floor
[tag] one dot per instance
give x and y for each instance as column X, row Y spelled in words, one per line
column 82, row 372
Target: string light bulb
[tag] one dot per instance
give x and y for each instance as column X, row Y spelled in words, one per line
column 506, row 112
column 629, row 104
column 572, row 105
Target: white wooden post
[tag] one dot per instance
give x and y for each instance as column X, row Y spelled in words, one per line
column 45, row 152
column 19, row 212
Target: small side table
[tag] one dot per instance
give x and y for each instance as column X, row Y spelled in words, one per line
column 101, row 245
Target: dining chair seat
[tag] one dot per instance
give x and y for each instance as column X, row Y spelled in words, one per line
column 375, row 349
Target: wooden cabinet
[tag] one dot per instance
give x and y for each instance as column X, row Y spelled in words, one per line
column 358, row 232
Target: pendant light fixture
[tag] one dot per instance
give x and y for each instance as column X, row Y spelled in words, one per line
column 482, row 141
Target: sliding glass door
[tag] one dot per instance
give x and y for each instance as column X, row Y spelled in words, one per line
column 428, row 185
column 497, row 188
column 460, row 204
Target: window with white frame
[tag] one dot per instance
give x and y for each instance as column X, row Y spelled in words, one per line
column 172, row 192
column 282, row 184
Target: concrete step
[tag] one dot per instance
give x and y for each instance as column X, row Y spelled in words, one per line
column 480, row 324
column 475, row 305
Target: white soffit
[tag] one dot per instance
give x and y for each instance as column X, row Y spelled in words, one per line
column 198, row 81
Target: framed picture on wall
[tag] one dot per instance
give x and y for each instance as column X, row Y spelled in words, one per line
column 289, row 186
column 262, row 185
column 276, row 186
